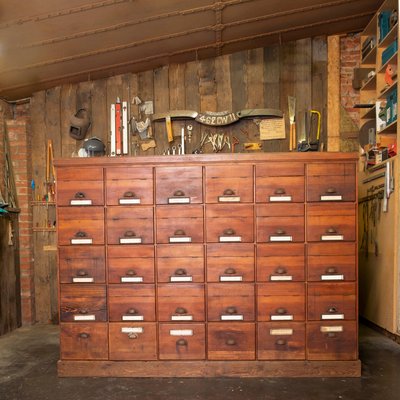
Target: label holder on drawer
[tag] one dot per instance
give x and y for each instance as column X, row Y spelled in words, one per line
column 327, row 238
column 337, row 197
column 188, row 278
column 82, row 280
column 131, row 279
column 335, row 277
column 281, row 332
column 178, row 200
column 281, row 278
column 89, row 317
column 227, row 239
column 281, row 238
column 326, row 317
column 181, row 332
column 281, row 317
column 228, row 317
column 277, row 199
column 181, row 317
column 83, row 202
column 132, row 318
column 133, row 329
column 82, row 241
column 229, row 278
column 130, row 240
column 129, row 201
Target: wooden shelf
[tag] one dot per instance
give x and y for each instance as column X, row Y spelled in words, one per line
column 391, row 128
column 370, row 84
column 387, row 90
column 370, row 113
column 392, row 60
column 392, row 35
column 370, row 58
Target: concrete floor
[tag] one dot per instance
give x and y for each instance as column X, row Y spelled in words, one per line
column 28, row 359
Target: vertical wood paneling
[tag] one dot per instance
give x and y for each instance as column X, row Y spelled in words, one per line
column 239, row 95
column 100, row 112
column 161, row 104
column 207, row 85
column 146, row 93
column 223, row 81
column 176, row 87
column 67, row 110
column 113, row 91
column 133, row 109
column 255, row 78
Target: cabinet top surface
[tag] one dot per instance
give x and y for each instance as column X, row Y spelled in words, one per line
column 209, row 159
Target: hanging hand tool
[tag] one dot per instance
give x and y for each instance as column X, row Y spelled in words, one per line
column 168, row 126
column 308, row 144
column 235, row 141
column 50, row 172
column 292, row 120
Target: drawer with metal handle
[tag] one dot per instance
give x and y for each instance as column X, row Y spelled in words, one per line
column 229, row 184
column 281, row 341
column 129, row 186
column 179, row 185
column 133, row 341
column 132, row 302
column 130, row 264
column 233, row 341
column 127, row 225
column 182, row 341
column 83, row 341
column 180, row 302
column 180, row 225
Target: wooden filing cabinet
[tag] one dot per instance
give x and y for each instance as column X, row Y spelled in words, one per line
column 221, row 265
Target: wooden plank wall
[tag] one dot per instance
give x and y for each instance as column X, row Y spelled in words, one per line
column 258, row 78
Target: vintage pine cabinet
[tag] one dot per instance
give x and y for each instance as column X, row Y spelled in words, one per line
column 208, row 265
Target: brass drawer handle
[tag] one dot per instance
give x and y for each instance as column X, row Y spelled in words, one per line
column 228, row 192
column 229, row 232
column 331, row 335
column 281, row 311
column 280, row 191
column 83, row 311
column 331, row 270
column 129, row 194
column 81, row 272
column 179, row 232
column 280, row 231
column 130, row 272
column 179, row 193
column 84, row 335
column 331, row 230
column 181, row 342
column 231, row 310
column 332, row 310
column 281, row 270
column 80, row 195
column 230, row 271
column 131, row 311
column 281, row 342
column 180, row 311
column 330, row 190
column 230, row 342
column 129, row 234
column 180, row 271
column 80, row 234
column 132, row 335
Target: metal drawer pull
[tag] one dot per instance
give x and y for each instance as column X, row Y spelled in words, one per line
column 80, row 234
column 179, row 193
column 83, row 311
column 331, row 195
column 281, row 342
column 281, row 311
column 332, row 234
column 131, row 276
column 229, row 235
column 181, row 314
column 179, row 198
column 132, row 311
column 331, row 274
column 132, row 335
column 330, row 190
column 332, row 313
column 179, row 232
column 230, row 342
column 132, row 315
column 331, row 335
column 281, row 275
column 84, row 335
column 180, row 237
column 80, row 200
column 280, row 191
column 229, row 232
column 229, row 197
column 181, row 342
column 129, row 234
column 80, row 195
column 331, row 231
column 129, row 194
column 281, row 314
column 130, row 272
column 331, row 270
column 279, row 196
column 82, row 277
column 231, row 315
column 130, row 238
column 228, row 192
column 281, row 271
column 230, row 271
column 180, row 272
column 180, row 275
column 180, row 311
column 129, row 197
column 332, row 310
column 81, row 273
column 231, row 310
column 280, row 231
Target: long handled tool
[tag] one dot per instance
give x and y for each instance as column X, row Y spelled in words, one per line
column 292, row 120
column 311, row 145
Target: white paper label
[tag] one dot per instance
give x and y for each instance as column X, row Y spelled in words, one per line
column 181, row 332
column 280, row 198
column 280, row 332
column 133, row 329
column 85, row 202
column 131, row 278
column 281, row 238
column 134, row 240
column 281, row 278
column 332, row 277
column 230, row 239
column 84, row 318
column 183, row 239
column 178, row 200
column 326, row 329
column 180, row 279
column 225, row 278
column 331, row 198
column 129, row 201
column 229, row 199
column 231, row 317
column 332, row 316
column 132, row 318
column 332, row 237
column 82, row 280
column 281, row 317
column 81, row 241
column 181, row 317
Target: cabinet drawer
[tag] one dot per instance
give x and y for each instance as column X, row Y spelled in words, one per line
column 179, row 185
column 281, row 301
column 132, row 302
column 129, row 186
column 281, row 341
column 182, row 342
column 280, row 223
column 128, row 225
column 83, row 303
column 332, row 301
column 280, row 182
column 230, row 302
column 229, row 184
column 180, row 263
column 130, row 264
column 180, row 302
column 331, row 340
column 80, row 187
column 280, row 262
column 331, row 182
column 178, row 224
column 80, row 225
column 229, row 223
column 87, row 341
column 82, row 264
column 133, row 341
column 331, row 262
column 233, row 341
column 333, row 222
column 230, row 262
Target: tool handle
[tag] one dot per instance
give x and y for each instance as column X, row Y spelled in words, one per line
column 292, row 136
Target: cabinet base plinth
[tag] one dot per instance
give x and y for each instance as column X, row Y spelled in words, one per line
column 189, row 369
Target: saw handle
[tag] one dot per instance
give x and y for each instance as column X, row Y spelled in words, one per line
column 292, row 136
